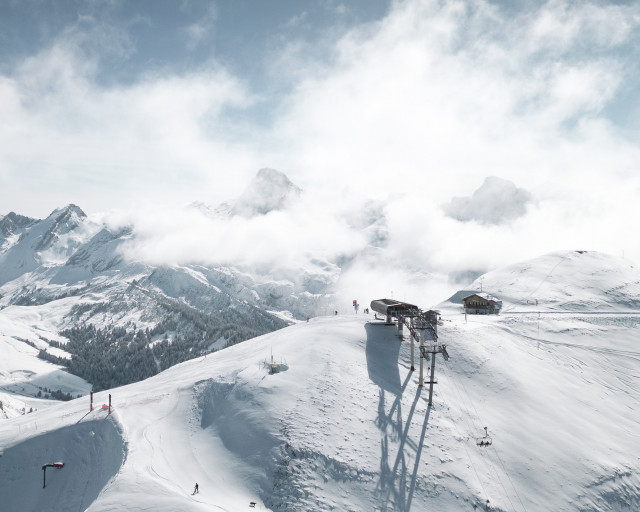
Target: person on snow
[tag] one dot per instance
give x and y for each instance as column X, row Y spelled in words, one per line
column 195, row 489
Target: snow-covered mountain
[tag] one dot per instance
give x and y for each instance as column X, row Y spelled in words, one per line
column 71, row 278
column 554, row 379
column 578, row 280
column 11, row 225
column 33, row 246
column 346, row 426
column 270, row 190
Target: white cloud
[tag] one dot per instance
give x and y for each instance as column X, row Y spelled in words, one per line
column 287, row 238
column 414, row 109
column 161, row 138
column 497, row 201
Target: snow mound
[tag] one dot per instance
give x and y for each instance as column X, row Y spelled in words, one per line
column 92, row 452
column 578, row 281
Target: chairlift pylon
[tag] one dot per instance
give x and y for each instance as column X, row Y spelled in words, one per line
column 484, row 441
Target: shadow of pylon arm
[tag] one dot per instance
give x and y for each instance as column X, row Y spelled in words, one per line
column 407, row 424
column 417, row 464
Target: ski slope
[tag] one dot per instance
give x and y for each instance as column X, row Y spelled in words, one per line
column 566, row 281
column 24, row 331
column 346, row 427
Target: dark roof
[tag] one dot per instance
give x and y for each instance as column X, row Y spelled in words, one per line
column 484, row 296
column 390, row 306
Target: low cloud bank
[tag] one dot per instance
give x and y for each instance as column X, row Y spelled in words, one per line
column 404, row 245
column 379, row 123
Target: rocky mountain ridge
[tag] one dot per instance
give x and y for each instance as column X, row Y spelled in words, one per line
column 76, row 271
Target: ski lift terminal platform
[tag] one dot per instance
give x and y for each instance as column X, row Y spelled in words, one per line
column 393, row 308
column 423, row 326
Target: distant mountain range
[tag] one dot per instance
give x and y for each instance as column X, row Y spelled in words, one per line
column 73, row 295
column 77, row 272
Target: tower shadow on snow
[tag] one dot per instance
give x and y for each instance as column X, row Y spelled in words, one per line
column 382, row 352
column 396, row 486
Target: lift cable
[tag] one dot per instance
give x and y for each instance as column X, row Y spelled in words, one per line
column 496, row 451
column 470, row 417
column 509, row 477
column 455, row 425
column 544, row 280
column 477, row 416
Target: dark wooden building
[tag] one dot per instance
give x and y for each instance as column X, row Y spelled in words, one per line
column 481, row 304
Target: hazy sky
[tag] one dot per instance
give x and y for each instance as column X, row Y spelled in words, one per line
column 120, row 104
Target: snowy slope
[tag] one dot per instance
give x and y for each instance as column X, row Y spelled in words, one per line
column 586, row 281
column 347, row 428
column 70, row 271
column 70, row 254
column 23, row 376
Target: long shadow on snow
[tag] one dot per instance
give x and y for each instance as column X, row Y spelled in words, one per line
column 395, row 488
column 225, row 407
column 382, row 352
column 92, row 452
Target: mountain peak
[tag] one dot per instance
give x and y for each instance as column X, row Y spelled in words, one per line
column 68, row 210
column 59, row 222
column 269, row 190
column 12, row 222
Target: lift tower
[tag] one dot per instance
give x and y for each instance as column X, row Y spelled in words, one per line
column 424, row 330
column 423, row 326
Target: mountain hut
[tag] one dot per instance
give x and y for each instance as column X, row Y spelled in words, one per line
column 481, row 304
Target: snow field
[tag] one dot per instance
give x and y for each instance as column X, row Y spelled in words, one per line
column 346, row 427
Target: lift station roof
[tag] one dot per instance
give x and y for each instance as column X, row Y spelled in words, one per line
column 390, row 306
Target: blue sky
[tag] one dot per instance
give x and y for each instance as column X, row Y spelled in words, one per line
column 121, row 104
column 54, row 49
column 131, row 39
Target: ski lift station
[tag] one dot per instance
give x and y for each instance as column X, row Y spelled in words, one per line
column 392, row 308
column 423, row 327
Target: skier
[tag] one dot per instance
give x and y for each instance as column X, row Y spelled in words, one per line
column 195, row 489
